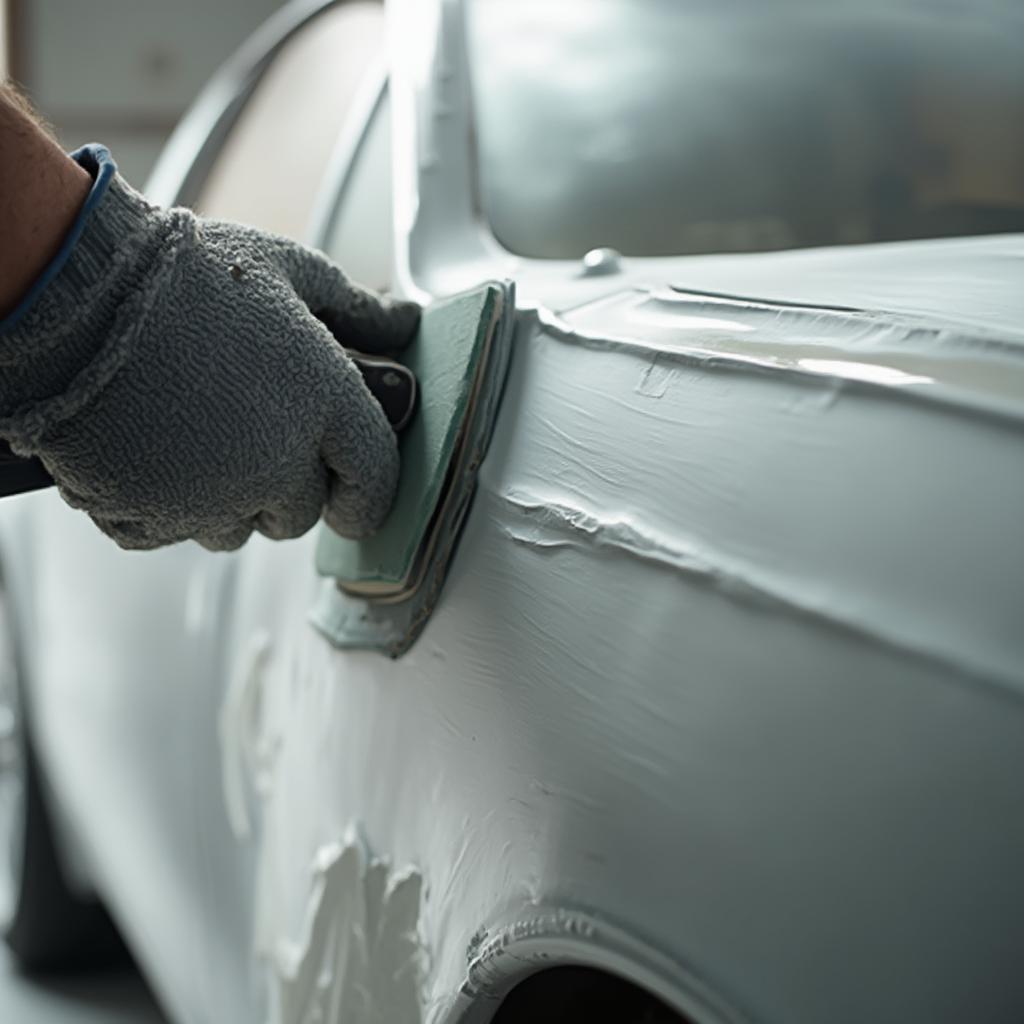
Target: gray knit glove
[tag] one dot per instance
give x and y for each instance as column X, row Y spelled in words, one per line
column 177, row 379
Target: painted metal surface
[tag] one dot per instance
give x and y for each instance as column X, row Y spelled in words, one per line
column 191, row 149
column 723, row 691
column 718, row 665
column 329, row 57
column 12, row 765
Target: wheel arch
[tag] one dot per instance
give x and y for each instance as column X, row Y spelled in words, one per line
column 515, row 964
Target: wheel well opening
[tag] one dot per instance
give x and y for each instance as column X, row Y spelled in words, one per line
column 566, row 995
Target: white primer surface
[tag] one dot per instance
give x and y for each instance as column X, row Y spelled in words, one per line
column 358, row 957
column 727, row 662
column 722, row 692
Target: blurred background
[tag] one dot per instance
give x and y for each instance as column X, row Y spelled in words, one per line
column 120, row 72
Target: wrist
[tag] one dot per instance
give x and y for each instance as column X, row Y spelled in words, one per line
column 94, row 170
column 41, row 192
column 51, row 344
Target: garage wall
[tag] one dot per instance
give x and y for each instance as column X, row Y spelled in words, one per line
column 122, row 72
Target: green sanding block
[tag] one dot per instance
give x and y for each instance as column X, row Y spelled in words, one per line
column 459, row 357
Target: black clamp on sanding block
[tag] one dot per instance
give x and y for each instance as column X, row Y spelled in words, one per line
column 19, row 475
column 392, row 384
column 381, row 590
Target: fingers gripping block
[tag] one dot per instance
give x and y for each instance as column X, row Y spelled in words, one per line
column 380, row 591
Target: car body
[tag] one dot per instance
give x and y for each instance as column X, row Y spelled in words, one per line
column 722, row 694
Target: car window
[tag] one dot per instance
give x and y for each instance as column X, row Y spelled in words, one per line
column 271, row 165
column 665, row 127
column 360, row 232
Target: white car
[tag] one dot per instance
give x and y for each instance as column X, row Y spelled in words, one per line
column 719, row 714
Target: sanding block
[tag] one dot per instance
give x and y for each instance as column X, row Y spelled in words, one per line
column 382, row 588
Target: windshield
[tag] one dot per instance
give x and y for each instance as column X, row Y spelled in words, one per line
column 665, row 127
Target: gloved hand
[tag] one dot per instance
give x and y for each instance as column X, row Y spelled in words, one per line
column 176, row 377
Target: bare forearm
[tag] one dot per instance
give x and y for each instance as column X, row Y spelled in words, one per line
column 41, row 191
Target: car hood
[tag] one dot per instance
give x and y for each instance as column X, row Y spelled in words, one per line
column 971, row 282
column 943, row 319
column 975, row 283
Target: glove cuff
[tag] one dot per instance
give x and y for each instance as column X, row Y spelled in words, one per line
column 109, row 228
column 63, row 322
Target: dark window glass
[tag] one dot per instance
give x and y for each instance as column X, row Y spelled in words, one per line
column 685, row 126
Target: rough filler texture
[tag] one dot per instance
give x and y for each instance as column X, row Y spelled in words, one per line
column 176, row 383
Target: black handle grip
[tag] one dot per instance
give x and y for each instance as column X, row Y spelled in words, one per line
column 18, row 474
column 392, row 384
